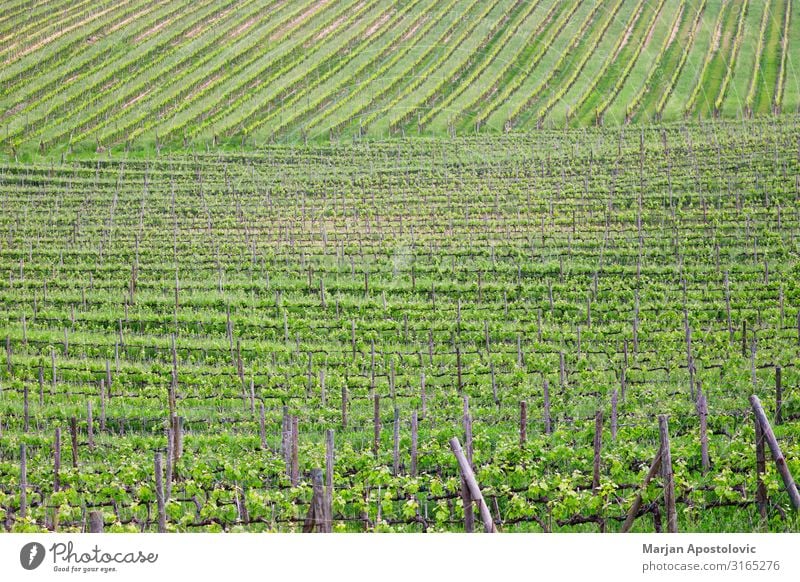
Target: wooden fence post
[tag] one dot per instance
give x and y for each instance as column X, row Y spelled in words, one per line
column 475, row 492
column 666, row 473
column 777, row 455
column 523, row 423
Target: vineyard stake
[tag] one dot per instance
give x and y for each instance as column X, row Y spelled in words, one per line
column 295, row 464
column 761, row 468
column 396, row 443
column 666, row 473
column 329, row 462
column 316, row 518
column 633, row 512
column 162, row 515
column 702, row 413
column 414, row 442
column 614, row 415
column 96, row 522
column 469, row 479
column 777, row 455
column 598, row 444
column 90, row 425
column 547, row 422
column 778, row 396
column 262, row 426
column 73, row 429
column 23, row 482
column 57, row 460
column 523, row 423
column 376, row 419
column 344, row 404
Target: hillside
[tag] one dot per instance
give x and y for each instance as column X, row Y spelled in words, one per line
column 140, row 73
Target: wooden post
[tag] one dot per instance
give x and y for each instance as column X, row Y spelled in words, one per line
column 170, row 468
column 102, row 405
column 702, row 413
column 316, row 517
column 655, row 467
column 57, row 460
column 475, row 492
column 96, row 522
column 744, row 338
column 329, row 461
column 89, row 425
column 286, row 432
column 23, row 482
column 295, row 462
column 73, row 429
column 344, row 405
column 424, row 404
column 778, row 396
column 494, row 383
column 458, row 368
column 262, row 426
column 523, row 423
column 414, row 442
column 467, row 422
column 598, row 444
column 396, row 443
column 547, row 423
column 666, row 473
column 376, row 419
column 162, row 514
column 777, row 455
column 761, row 468
column 322, row 387
column 25, row 407
column 614, row 419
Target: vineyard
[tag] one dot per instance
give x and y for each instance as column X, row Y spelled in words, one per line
column 202, row 341
column 137, row 75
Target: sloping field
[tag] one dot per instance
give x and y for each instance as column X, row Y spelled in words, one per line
column 143, row 73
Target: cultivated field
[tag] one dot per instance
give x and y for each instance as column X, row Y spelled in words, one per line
column 78, row 75
column 627, row 270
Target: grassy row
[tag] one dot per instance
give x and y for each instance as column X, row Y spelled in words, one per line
column 488, row 52
column 543, row 82
column 566, row 84
column 639, row 30
column 107, row 83
column 684, row 56
column 646, row 87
